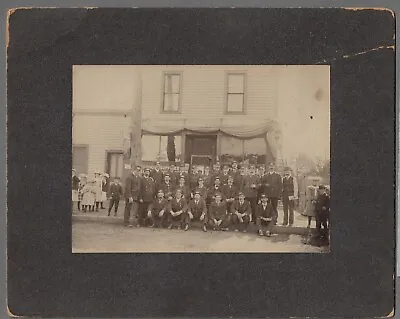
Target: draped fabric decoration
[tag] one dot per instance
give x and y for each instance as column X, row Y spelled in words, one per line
column 210, row 126
column 268, row 130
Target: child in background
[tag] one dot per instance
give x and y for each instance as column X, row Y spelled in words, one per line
column 115, row 195
column 82, row 183
column 89, row 196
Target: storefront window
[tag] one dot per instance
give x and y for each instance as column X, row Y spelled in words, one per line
column 161, row 148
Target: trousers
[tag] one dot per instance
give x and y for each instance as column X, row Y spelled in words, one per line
column 130, row 208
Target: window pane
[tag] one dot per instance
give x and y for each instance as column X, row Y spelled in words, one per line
column 120, row 168
column 235, row 102
column 171, row 102
column 171, row 83
column 175, row 148
column 235, row 83
column 113, row 164
column 150, row 147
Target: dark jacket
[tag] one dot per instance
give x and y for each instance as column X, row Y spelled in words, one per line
column 185, row 191
column 197, row 210
column 224, row 178
column 217, row 211
column 229, row 191
column 115, row 191
column 167, row 189
column 175, row 206
column 245, row 208
column 132, row 187
column 212, row 192
column 287, row 186
column 267, row 212
column 157, row 176
column 147, row 189
column 75, row 183
column 272, row 184
column 105, row 185
column 322, row 204
column 156, row 206
column 246, row 185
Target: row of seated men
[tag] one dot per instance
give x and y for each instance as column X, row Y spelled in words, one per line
column 218, row 215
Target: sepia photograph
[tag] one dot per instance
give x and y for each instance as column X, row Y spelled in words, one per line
column 201, row 158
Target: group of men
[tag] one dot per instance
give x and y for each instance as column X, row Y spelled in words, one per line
column 231, row 197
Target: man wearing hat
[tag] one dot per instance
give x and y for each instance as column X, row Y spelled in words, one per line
column 75, row 188
column 264, row 216
column 182, row 186
column 174, row 174
column 239, row 177
column 241, row 213
column 201, row 188
column 131, row 194
column 322, row 209
column 288, row 197
column 213, row 191
column 158, row 210
column 147, row 195
column 167, row 187
column 157, row 175
column 273, row 188
column 176, row 210
column 250, row 185
column 196, row 212
column 230, row 192
column 225, row 175
column 218, row 215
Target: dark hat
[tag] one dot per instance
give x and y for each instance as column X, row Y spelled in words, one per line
column 181, row 176
column 216, row 178
column 197, row 192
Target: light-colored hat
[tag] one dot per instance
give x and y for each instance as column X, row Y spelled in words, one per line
column 106, row 175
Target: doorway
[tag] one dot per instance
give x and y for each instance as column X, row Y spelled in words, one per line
column 203, row 147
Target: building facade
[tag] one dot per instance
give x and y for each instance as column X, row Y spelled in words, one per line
column 217, row 112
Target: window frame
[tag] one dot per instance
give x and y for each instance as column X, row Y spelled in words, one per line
column 163, row 94
column 226, row 110
column 109, row 153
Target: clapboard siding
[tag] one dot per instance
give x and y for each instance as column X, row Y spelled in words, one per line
column 101, row 133
column 203, row 93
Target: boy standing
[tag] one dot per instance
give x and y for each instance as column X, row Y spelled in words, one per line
column 322, row 208
column 115, row 194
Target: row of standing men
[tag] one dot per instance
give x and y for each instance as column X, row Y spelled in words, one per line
column 219, row 191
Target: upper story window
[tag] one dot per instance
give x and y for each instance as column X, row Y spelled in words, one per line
column 235, row 100
column 171, row 93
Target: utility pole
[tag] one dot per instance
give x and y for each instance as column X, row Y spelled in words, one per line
column 136, row 123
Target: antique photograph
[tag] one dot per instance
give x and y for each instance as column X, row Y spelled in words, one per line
column 201, row 158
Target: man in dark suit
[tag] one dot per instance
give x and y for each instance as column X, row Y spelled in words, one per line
column 132, row 193
column 196, row 211
column 158, row 210
column 264, row 216
column 273, row 188
column 176, row 210
column 322, row 208
column 241, row 213
column 147, row 195
column 218, row 215
column 230, row 193
column 288, row 197
column 224, row 175
column 167, row 187
column 212, row 191
column 249, row 187
column 157, row 175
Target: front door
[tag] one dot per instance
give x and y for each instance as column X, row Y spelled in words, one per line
column 201, row 145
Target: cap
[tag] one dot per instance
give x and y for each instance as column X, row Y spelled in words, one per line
column 147, row 169
column 181, row 176
column 216, row 178
column 241, row 193
column 197, row 192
